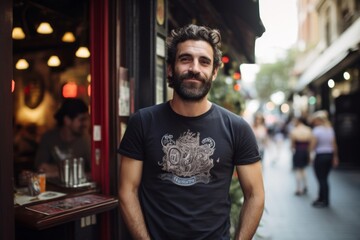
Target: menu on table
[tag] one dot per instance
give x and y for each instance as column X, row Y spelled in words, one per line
column 68, row 204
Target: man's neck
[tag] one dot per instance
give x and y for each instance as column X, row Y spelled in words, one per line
column 190, row 108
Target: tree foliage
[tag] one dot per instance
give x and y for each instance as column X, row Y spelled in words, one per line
column 223, row 94
column 275, row 76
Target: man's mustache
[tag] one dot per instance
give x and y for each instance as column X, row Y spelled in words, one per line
column 191, row 74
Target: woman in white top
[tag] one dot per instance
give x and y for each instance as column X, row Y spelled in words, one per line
column 325, row 147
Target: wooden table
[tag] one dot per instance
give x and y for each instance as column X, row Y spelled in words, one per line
column 82, row 207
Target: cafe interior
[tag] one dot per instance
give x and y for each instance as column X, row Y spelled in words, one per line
column 51, row 63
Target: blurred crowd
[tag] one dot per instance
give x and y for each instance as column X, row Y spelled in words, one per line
column 313, row 143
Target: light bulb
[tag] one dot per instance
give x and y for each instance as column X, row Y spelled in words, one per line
column 22, row 64
column 44, row 28
column 54, row 61
column 68, row 37
column 83, row 52
column 18, row 33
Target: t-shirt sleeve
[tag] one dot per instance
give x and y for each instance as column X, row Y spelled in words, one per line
column 131, row 144
column 246, row 148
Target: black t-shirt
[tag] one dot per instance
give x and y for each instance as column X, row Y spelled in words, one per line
column 188, row 164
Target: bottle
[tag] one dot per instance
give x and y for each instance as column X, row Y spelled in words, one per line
column 75, row 171
column 65, row 165
column 81, row 175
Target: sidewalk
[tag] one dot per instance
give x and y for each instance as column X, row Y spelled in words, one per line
column 290, row 217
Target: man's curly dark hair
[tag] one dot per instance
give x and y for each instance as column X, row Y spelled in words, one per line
column 194, row 32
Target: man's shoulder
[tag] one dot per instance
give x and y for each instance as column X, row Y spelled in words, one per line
column 144, row 115
column 50, row 137
column 151, row 111
column 154, row 108
column 230, row 119
column 226, row 113
column 51, row 133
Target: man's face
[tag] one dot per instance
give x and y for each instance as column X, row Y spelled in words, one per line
column 80, row 124
column 193, row 73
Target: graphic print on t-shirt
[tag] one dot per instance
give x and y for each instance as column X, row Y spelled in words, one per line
column 187, row 160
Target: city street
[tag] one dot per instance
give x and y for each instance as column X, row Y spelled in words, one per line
column 291, row 217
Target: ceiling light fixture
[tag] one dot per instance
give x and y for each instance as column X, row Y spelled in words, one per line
column 44, row 28
column 54, row 61
column 68, row 37
column 82, row 52
column 18, row 33
column 22, row 64
column 346, row 75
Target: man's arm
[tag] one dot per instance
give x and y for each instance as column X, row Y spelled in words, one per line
column 251, row 181
column 130, row 177
column 51, row 170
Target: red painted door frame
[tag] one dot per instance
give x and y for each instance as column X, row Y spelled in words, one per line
column 99, row 48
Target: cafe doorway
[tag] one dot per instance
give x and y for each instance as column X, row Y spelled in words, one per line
column 51, row 62
column 69, row 61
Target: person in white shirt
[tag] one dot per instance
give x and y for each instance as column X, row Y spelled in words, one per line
column 326, row 157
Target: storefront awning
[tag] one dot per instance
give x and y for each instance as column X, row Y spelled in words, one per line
column 341, row 49
column 238, row 21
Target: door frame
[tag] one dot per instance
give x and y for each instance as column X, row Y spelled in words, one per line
column 7, row 225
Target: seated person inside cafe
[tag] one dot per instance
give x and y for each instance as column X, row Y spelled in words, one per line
column 70, row 139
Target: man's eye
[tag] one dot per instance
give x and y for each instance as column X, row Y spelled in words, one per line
column 185, row 59
column 205, row 62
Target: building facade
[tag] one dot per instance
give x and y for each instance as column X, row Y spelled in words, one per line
column 328, row 68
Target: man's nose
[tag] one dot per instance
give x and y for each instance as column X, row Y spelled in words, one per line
column 194, row 67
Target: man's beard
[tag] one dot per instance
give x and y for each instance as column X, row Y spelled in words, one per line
column 190, row 91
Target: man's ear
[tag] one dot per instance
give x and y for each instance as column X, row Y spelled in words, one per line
column 215, row 72
column 169, row 71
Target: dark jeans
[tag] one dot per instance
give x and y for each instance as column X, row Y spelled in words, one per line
column 322, row 166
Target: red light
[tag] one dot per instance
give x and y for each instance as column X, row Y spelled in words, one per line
column 237, row 87
column 69, row 90
column 237, row 75
column 12, row 85
column 225, row 59
column 89, row 90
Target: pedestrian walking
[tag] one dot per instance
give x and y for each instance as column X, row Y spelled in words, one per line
column 326, row 156
column 261, row 132
column 300, row 137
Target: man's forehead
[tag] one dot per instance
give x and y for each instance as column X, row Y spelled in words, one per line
column 195, row 47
